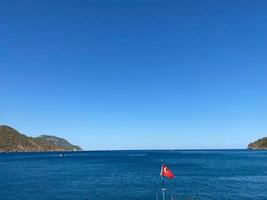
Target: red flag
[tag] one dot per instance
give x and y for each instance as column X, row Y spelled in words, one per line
column 166, row 172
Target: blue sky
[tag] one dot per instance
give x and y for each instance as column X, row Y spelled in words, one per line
column 135, row 74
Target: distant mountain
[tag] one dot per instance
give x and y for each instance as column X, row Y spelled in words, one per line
column 13, row 141
column 259, row 144
column 56, row 141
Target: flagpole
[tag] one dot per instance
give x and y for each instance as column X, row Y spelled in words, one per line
column 163, row 184
column 163, row 188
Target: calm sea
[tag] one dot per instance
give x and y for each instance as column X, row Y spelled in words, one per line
column 129, row 175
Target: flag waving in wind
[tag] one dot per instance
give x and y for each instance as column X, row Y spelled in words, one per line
column 166, row 172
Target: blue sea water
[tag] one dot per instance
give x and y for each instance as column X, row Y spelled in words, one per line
column 134, row 175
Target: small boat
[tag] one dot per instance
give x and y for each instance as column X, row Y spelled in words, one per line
column 61, row 155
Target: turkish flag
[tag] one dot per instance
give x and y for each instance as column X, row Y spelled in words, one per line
column 166, row 172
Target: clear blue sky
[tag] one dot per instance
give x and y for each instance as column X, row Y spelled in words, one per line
column 137, row 74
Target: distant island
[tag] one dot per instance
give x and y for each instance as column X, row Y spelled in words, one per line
column 13, row 141
column 259, row 144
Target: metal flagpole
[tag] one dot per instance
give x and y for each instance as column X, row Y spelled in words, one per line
column 163, row 184
column 163, row 189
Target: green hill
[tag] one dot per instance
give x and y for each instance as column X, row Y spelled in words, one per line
column 259, row 144
column 56, row 141
column 13, row 141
